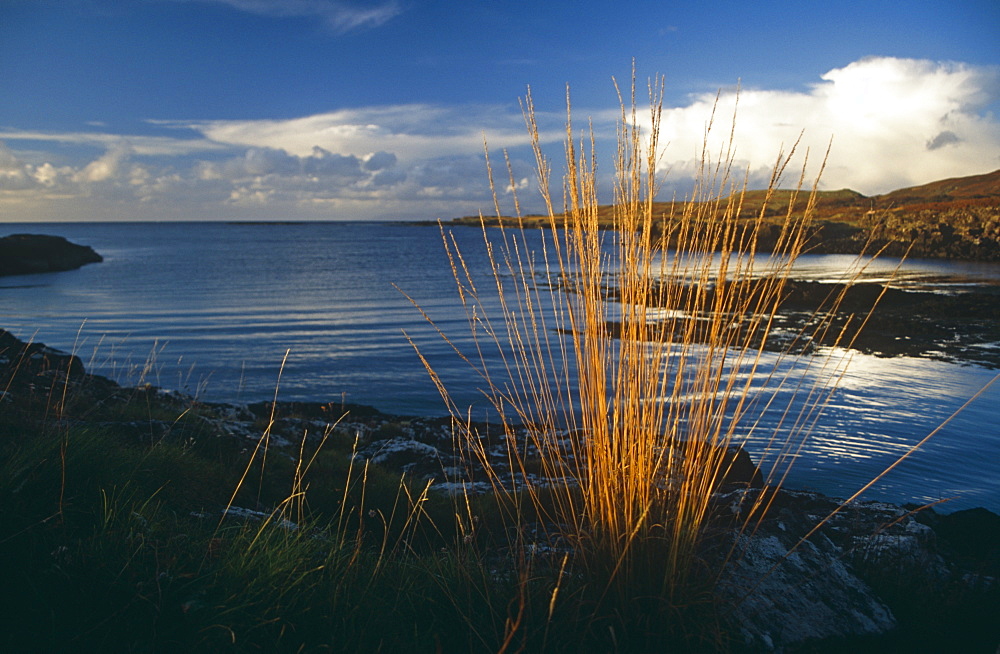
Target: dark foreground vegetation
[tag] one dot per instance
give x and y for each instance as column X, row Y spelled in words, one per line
column 132, row 519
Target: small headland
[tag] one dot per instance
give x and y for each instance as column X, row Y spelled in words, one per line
column 135, row 518
column 23, row 254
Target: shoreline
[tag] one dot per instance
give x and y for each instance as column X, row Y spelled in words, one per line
column 418, row 424
column 31, row 372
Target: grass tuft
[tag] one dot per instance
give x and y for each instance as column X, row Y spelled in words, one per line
column 633, row 366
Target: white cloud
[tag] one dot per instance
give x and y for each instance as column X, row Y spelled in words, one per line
column 340, row 16
column 893, row 123
column 410, row 132
column 251, row 182
column 17, row 176
column 13, row 174
column 149, row 146
column 520, row 185
column 108, row 167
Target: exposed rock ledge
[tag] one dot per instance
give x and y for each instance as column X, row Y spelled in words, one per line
column 22, row 254
column 876, row 577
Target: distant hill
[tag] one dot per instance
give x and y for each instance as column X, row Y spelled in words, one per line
column 975, row 190
column 956, row 218
column 976, row 187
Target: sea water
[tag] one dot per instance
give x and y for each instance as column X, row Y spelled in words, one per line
column 327, row 312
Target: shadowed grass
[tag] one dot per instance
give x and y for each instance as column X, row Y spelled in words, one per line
column 135, row 559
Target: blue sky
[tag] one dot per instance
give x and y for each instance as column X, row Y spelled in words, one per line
column 321, row 109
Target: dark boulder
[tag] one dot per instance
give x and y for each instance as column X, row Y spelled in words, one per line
column 22, row 254
column 738, row 469
column 971, row 535
column 30, row 360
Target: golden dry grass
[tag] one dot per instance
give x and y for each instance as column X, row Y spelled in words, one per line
column 628, row 372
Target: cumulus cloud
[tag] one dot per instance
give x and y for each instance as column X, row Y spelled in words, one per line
column 107, row 167
column 340, row 16
column 257, row 180
column 379, row 160
column 893, row 123
column 17, row 175
column 944, row 138
column 261, row 176
column 319, row 165
column 520, row 185
column 13, row 175
column 46, row 191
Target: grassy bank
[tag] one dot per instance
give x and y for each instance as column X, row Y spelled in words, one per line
column 134, row 520
column 115, row 536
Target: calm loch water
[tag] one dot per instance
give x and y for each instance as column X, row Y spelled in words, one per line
column 212, row 309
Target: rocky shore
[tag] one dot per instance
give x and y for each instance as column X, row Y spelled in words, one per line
column 23, row 254
column 874, row 577
column 946, row 320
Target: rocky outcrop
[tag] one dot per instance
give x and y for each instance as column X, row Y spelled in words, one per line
column 872, row 577
column 785, row 589
column 32, row 360
column 22, row 254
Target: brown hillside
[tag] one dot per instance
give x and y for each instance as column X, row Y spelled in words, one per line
column 975, row 187
column 827, row 202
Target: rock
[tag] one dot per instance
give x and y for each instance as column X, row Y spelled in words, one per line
column 22, row 254
column 787, row 592
column 33, row 360
column 738, row 469
column 785, row 598
column 413, row 458
column 971, row 535
column 784, row 592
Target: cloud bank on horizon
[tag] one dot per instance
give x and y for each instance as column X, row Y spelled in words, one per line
column 893, row 122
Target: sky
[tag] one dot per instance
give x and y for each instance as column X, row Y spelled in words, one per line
column 380, row 109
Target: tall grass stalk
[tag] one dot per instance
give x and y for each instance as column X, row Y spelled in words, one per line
column 631, row 359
